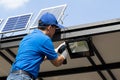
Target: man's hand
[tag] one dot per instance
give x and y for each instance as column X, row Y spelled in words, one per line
column 62, row 50
column 64, row 54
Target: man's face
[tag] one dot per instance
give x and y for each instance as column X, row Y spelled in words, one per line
column 51, row 30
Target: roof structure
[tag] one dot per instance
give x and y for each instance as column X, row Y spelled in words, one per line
column 104, row 65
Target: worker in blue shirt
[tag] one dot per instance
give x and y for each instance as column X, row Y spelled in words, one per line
column 34, row 48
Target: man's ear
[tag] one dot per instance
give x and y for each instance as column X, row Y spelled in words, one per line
column 48, row 28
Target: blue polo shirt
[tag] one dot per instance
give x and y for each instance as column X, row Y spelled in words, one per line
column 32, row 50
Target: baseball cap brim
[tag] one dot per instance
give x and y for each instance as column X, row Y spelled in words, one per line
column 60, row 26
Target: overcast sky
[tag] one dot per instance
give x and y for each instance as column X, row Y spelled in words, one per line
column 77, row 11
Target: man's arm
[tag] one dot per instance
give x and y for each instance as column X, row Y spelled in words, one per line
column 62, row 50
column 59, row 61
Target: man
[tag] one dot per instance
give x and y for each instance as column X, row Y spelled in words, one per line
column 34, row 48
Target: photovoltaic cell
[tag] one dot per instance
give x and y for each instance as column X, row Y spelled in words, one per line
column 16, row 23
column 57, row 11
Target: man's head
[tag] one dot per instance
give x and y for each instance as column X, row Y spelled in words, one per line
column 48, row 23
column 49, row 19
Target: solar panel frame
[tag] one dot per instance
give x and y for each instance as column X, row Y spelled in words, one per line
column 14, row 28
column 42, row 11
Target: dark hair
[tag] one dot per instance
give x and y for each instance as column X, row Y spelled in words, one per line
column 43, row 26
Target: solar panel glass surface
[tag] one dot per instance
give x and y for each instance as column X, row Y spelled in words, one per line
column 1, row 21
column 57, row 11
column 16, row 23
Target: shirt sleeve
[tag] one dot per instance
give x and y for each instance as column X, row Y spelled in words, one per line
column 48, row 50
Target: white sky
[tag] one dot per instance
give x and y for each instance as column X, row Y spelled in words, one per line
column 77, row 12
column 13, row 4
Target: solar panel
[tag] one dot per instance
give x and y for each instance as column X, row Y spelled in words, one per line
column 16, row 23
column 1, row 21
column 57, row 11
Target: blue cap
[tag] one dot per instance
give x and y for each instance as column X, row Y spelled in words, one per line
column 49, row 19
